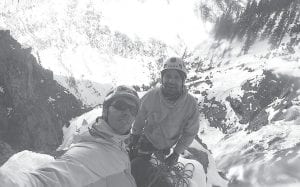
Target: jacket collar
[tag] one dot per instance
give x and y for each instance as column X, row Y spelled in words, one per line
column 102, row 129
column 101, row 132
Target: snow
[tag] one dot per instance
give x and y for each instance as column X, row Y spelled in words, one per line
column 50, row 100
column 241, row 139
column 224, row 82
column 213, row 177
column 86, row 62
column 199, row 176
column 78, row 125
column 94, row 71
column 90, row 93
column 287, row 133
column 166, row 20
column 236, row 171
column 285, row 67
column 209, row 135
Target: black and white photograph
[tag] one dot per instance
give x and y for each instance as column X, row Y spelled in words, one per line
column 150, row 93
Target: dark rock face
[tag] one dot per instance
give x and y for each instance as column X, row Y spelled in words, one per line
column 259, row 95
column 33, row 106
column 5, row 152
column 215, row 112
column 271, row 90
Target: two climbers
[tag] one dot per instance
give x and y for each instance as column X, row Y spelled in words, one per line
column 98, row 159
column 168, row 118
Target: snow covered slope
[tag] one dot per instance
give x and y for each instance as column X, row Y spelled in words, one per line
column 253, row 101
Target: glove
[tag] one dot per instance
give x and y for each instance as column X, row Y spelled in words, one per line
column 172, row 159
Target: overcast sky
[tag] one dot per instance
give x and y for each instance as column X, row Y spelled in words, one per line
column 160, row 19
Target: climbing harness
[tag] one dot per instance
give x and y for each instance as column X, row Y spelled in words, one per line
column 161, row 174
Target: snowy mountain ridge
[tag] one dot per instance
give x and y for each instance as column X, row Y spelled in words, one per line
column 72, row 31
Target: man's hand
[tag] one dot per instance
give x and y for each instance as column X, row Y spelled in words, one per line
column 172, row 159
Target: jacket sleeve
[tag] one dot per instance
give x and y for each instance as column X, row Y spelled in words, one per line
column 140, row 120
column 58, row 173
column 190, row 130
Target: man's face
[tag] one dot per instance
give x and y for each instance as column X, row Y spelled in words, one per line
column 172, row 81
column 121, row 114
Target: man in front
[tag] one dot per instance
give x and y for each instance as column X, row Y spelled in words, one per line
column 99, row 158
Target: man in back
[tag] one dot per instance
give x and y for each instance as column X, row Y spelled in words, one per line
column 168, row 117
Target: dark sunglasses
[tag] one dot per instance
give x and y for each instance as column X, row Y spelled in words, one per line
column 122, row 105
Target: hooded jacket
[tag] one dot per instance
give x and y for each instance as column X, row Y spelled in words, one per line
column 166, row 124
column 99, row 160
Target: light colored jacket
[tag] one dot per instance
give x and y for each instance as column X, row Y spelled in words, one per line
column 166, row 124
column 100, row 162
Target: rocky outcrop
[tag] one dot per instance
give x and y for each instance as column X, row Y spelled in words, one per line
column 266, row 92
column 33, row 106
column 275, row 91
column 215, row 112
column 5, row 152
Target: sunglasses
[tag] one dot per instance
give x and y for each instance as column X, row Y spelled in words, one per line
column 122, row 105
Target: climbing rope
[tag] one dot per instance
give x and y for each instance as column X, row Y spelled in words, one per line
column 178, row 175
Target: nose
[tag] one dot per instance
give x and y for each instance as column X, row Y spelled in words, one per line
column 171, row 81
